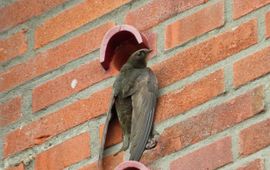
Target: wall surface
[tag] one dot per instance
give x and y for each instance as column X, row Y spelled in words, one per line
column 211, row 57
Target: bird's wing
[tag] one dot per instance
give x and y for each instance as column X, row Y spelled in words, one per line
column 143, row 105
column 105, row 129
column 110, row 115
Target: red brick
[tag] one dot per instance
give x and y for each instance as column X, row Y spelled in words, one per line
column 53, row 58
column 267, row 24
column 209, row 157
column 64, row 154
column 61, row 87
column 25, row 9
column 206, row 53
column 10, row 111
column 208, row 123
column 254, row 165
column 194, row 25
column 157, row 11
column 73, row 18
column 13, row 46
column 241, row 8
column 251, row 67
column 41, row 130
column 179, row 101
column 19, row 167
column 254, row 138
column 114, row 134
column 110, row 162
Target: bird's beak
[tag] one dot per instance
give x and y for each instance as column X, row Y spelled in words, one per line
column 149, row 51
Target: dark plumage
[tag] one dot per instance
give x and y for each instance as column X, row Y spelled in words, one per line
column 134, row 98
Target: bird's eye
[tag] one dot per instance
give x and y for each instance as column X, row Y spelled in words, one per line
column 142, row 53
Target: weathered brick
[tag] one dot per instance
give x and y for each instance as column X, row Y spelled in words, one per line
column 209, row 157
column 13, row 46
column 67, row 84
column 41, row 130
column 64, row 154
column 251, row 67
column 206, row 53
column 241, row 8
column 157, row 11
column 179, row 101
column 194, row 25
column 253, row 165
column 110, row 162
column 254, row 138
column 267, row 24
column 19, row 167
column 24, row 10
column 114, row 134
column 209, row 122
column 53, row 58
column 73, row 18
column 10, row 111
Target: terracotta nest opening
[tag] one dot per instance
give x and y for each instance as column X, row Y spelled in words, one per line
column 118, row 44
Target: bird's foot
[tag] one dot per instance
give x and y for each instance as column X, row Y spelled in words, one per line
column 151, row 143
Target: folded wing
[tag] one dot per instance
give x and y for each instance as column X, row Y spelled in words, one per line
column 104, row 135
column 143, row 105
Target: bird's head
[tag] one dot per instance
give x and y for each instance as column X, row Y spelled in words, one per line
column 138, row 58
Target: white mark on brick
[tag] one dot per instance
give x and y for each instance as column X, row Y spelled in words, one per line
column 74, row 83
column 234, row 28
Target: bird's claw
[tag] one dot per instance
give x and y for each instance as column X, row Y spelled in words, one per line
column 153, row 140
column 151, row 143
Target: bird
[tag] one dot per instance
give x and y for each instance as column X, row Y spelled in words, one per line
column 134, row 99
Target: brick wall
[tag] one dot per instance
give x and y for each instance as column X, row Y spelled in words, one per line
column 212, row 62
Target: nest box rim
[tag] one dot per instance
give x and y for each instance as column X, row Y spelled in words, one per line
column 105, row 58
